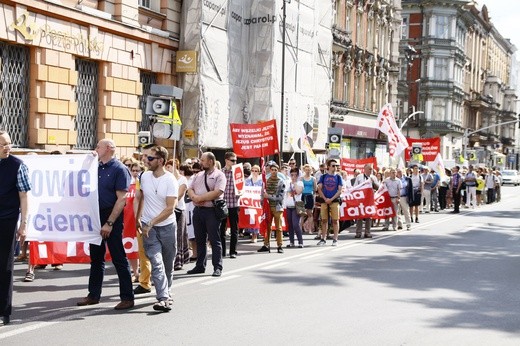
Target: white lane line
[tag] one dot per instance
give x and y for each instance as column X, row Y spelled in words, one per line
column 220, row 279
column 276, row 265
column 312, row 256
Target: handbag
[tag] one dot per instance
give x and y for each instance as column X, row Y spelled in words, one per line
column 300, row 207
column 220, row 205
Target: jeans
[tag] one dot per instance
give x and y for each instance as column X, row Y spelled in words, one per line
column 7, row 240
column 233, row 225
column 293, row 220
column 435, row 199
column 161, row 248
column 117, row 251
column 206, row 228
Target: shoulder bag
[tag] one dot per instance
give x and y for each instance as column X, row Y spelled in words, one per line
column 221, row 209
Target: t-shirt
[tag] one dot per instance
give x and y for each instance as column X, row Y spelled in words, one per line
column 181, row 205
column 330, row 184
column 155, row 190
column 470, row 175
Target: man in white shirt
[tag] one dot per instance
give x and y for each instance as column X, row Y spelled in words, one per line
column 394, row 186
column 154, row 207
column 360, row 179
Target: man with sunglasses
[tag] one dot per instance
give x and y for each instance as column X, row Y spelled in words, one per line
column 14, row 185
column 329, row 189
column 154, row 206
column 231, row 198
column 113, row 183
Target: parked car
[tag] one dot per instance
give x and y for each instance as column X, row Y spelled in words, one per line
column 510, row 176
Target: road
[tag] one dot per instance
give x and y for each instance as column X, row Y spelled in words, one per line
column 452, row 280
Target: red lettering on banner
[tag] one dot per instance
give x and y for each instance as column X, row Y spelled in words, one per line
column 350, row 165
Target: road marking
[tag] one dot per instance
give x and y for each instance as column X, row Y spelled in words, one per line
column 220, row 279
column 312, row 256
column 276, row 265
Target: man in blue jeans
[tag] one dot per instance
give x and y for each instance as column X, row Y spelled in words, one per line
column 113, row 182
column 154, row 205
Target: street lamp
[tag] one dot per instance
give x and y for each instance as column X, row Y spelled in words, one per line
column 282, row 100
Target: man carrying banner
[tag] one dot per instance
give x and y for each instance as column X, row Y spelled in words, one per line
column 113, row 183
column 360, row 179
column 329, row 189
column 394, row 186
column 14, row 185
column 155, row 204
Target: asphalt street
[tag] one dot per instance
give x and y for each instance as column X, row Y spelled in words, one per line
column 452, row 280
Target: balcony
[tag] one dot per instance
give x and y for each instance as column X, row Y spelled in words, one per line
column 441, row 127
column 341, row 37
column 436, row 84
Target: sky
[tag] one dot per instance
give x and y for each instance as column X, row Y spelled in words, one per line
column 505, row 16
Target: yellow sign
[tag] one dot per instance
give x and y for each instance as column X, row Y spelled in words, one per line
column 186, row 61
column 189, row 134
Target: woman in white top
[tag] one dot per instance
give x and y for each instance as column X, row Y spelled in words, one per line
column 183, row 251
column 294, row 194
column 254, row 180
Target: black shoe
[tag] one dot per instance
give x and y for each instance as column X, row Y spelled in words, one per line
column 6, row 319
column 416, row 220
column 400, row 227
column 280, row 249
column 196, row 271
column 264, row 249
column 141, row 290
column 233, row 255
column 217, row 273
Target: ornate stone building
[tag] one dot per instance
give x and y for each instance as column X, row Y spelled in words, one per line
column 73, row 72
column 455, row 67
column 364, row 71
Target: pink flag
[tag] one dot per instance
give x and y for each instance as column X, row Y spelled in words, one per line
column 397, row 142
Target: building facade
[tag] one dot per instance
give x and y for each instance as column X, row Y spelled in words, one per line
column 364, row 72
column 75, row 72
column 455, row 68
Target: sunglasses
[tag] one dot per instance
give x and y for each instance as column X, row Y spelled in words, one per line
column 233, row 160
column 151, row 158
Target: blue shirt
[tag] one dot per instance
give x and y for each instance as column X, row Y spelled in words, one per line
column 404, row 183
column 330, row 184
column 112, row 176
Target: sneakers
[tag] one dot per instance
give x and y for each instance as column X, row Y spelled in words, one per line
column 300, row 246
column 141, row 290
column 163, row 306
column 334, row 242
column 29, row 277
column 321, row 242
column 264, row 249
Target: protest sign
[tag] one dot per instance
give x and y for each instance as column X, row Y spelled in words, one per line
column 349, row 165
column 254, row 140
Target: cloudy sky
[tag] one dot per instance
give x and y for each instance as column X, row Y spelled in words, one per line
column 505, row 15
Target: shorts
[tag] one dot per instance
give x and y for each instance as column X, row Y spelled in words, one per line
column 416, row 201
column 334, row 211
column 308, row 199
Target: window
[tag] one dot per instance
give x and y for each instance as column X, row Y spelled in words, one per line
column 147, row 79
column 144, row 3
column 14, row 92
column 441, row 27
column 404, row 28
column 439, row 110
column 85, row 122
column 440, row 69
column 346, row 85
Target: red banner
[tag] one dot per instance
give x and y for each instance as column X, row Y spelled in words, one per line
column 384, row 205
column 430, row 148
column 255, row 140
column 360, row 202
column 250, row 211
column 349, row 165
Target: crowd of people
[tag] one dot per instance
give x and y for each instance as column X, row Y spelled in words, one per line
column 171, row 207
